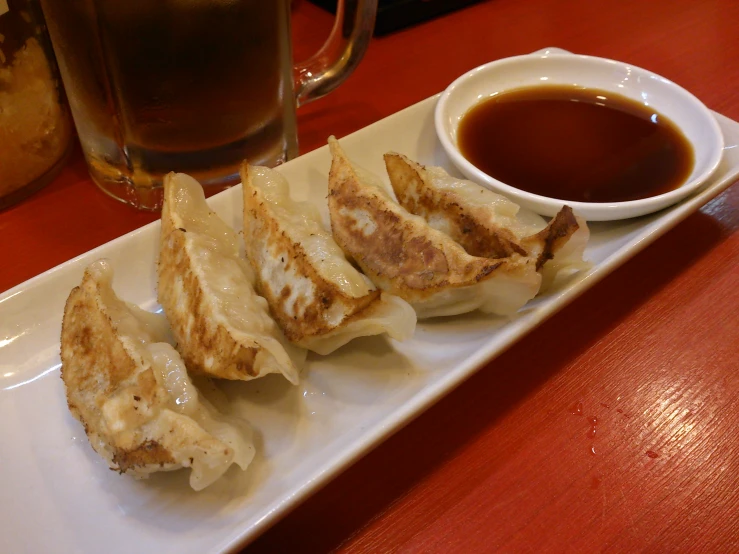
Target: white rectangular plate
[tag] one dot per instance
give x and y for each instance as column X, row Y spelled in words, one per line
column 57, row 495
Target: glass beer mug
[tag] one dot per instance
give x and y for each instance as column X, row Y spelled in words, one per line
column 194, row 86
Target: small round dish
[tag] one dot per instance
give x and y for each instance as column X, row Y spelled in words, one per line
column 687, row 112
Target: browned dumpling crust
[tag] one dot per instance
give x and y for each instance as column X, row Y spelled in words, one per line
column 463, row 223
column 318, row 298
column 485, row 223
column 222, row 327
column 130, row 390
column 402, row 254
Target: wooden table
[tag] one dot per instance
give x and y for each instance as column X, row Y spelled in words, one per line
column 508, row 462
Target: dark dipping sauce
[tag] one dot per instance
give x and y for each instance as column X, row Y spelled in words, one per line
column 576, row 144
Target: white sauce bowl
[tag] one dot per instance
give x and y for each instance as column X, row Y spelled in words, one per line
column 670, row 100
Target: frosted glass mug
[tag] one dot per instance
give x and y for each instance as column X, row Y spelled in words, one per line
column 194, row 86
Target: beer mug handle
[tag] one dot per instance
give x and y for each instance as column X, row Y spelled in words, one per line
column 340, row 55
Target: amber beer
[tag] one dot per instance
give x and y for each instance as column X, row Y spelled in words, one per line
column 175, row 85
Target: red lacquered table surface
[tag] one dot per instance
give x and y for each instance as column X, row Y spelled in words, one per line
column 509, row 461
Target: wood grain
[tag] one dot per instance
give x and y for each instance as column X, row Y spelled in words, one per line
column 505, row 463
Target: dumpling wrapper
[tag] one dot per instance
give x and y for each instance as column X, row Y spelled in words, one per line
column 318, row 298
column 130, row 390
column 485, row 223
column 403, row 255
column 221, row 325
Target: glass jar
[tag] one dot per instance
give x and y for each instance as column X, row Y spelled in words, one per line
column 35, row 125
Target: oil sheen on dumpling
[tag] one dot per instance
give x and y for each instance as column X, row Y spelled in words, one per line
column 487, row 224
column 319, row 299
column 222, row 327
column 403, row 255
column 131, row 392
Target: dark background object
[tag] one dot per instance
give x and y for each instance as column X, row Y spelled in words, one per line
column 393, row 15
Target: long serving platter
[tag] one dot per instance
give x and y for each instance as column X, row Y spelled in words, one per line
column 57, row 495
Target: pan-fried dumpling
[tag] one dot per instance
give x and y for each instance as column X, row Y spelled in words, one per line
column 319, row 299
column 403, row 255
column 487, row 224
column 131, row 392
column 222, row 327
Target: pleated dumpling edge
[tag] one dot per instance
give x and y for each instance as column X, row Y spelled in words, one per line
column 405, row 256
column 320, row 300
column 222, row 326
